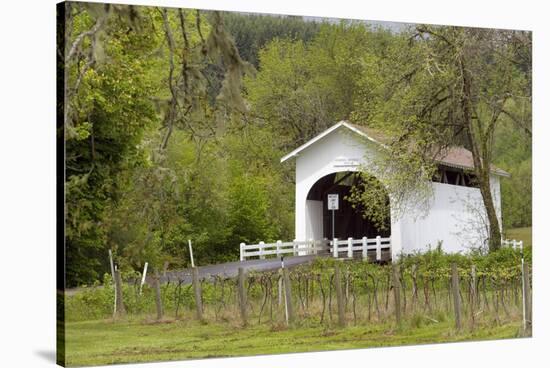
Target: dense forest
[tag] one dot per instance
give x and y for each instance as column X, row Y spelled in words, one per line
column 175, row 121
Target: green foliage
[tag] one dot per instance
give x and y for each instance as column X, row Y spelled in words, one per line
column 248, row 210
column 513, row 154
column 303, row 88
column 313, row 283
column 443, row 86
column 253, row 31
column 164, row 143
column 372, row 199
column 111, row 110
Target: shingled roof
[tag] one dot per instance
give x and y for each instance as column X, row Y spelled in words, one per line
column 457, row 157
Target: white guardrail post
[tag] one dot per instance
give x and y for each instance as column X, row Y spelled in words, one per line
column 262, row 245
column 364, row 249
column 312, row 245
column 295, row 247
column 335, row 247
column 242, row 252
column 378, row 248
column 278, row 247
column 350, row 247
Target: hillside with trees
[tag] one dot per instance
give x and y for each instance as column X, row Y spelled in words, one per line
column 176, row 119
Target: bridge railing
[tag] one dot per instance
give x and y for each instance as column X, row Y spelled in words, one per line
column 279, row 248
column 364, row 244
column 512, row 243
column 309, row 247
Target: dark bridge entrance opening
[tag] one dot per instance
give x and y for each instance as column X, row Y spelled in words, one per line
column 348, row 221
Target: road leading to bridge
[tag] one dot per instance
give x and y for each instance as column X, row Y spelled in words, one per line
column 231, row 269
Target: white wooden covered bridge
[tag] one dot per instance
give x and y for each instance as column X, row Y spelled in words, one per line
column 455, row 217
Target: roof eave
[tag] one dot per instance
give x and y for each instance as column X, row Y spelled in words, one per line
column 297, row 151
column 324, row 134
column 498, row 172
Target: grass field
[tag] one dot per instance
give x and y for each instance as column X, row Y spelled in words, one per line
column 520, row 233
column 105, row 342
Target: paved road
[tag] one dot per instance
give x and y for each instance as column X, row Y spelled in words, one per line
column 231, row 269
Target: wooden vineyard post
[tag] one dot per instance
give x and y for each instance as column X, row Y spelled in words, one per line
column 456, row 295
column 198, row 293
column 114, row 280
column 527, row 298
column 280, row 290
column 396, row 294
column 158, row 296
column 242, row 295
column 339, row 296
column 414, row 287
column 473, row 296
column 288, row 296
column 120, row 310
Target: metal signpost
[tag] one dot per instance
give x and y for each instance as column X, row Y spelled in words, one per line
column 191, row 254
column 333, row 206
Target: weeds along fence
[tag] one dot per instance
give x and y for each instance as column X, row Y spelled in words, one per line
column 468, row 292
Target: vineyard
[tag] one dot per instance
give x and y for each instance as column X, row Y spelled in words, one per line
column 474, row 291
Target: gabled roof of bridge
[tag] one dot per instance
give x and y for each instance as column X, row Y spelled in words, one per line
column 457, row 157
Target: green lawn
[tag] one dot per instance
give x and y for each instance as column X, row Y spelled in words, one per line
column 520, row 233
column 105, row 342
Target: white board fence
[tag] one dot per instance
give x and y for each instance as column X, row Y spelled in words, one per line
column 515, row 244
column 313, row 247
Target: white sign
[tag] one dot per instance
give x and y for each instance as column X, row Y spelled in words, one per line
column 333, row 201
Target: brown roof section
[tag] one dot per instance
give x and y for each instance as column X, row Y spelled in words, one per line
column 462, row 158
column 458, row 157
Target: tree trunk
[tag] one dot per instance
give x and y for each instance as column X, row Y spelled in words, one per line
column 481, row 157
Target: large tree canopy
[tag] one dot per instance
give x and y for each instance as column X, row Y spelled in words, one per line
column 176, row 119
column 445, row 86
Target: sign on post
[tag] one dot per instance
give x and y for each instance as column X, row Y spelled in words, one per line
column 332, row 201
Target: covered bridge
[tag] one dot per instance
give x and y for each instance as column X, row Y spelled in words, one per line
column 455, row 216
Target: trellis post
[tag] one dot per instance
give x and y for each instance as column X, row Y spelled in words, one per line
column 288, row 297
column 396, row 293
column 456, row 295
column 120, row 310
column 198, row 292
column 242, row 295
column 339, row 296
